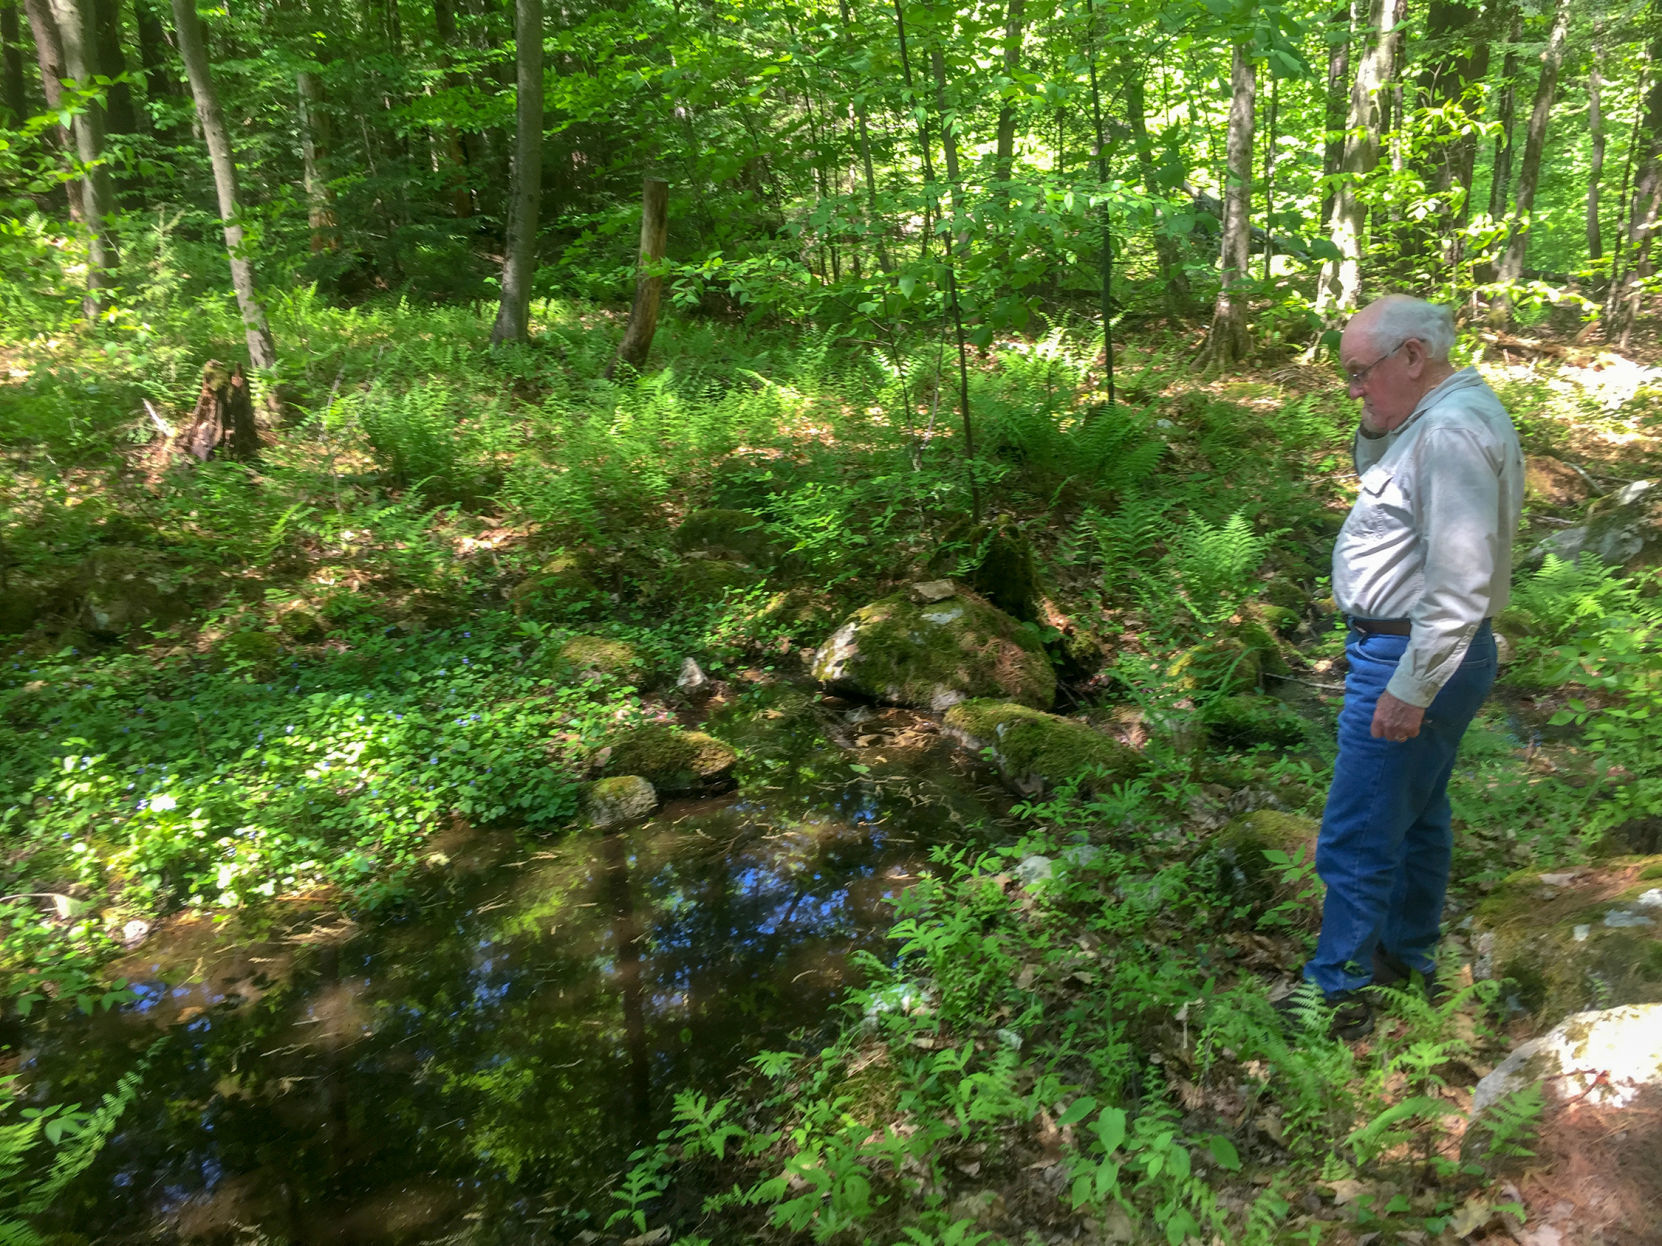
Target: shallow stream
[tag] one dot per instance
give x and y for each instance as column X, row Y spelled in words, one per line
column 480, row 1067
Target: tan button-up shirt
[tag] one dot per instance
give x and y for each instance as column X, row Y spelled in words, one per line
column 1430, row 536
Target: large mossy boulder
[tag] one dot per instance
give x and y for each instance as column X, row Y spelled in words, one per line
column 1233, row 661
column 566, row 579
column 709, row 579
column 1246, row 719
column 933, row 654
column 1037, row 752
column 121, row 589
column 674, row 762
column 1577, row 938
column 1264, row 861
column 603, row 659
column 995, row 560
column 733, row 534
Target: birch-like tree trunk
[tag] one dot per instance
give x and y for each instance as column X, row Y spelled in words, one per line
column 513, row 316
column 1341, row 25
column 11, row 65
column 315, row 144
column 1595, row 171
column 1646, row 206
column 193, row 50
column 1529, row 173
column 1500, row 181
column 1340, row 282
column 1168, row 252
column 98, row 188
column 1228, row 342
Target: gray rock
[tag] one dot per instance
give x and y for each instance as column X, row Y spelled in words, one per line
column 693, row 682
column 1605, row 1058
column 933, row 590
column 1565, row 544
column 619, row 800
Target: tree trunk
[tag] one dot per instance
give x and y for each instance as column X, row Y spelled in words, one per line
column 109, row 61
column 1529, row 173
column 222, row 425
column 1647, row 201
column 1458, row 59
column 98, row 189
column 1500, row 181
column 1340, row 282
column 1106, row 261
column 315, row 146
column 155, row 56
column 649, row 283
column 1228, row 342
column 1341, row 23
column 49, row 56
column 1269, row 183
column 455, row 152
column 262, row 352
column 11, row 53
column 1595, row 172
column 1168, row 254
column 513, row 317
column 949, row 144
column 1005, row 152
column 874, row 219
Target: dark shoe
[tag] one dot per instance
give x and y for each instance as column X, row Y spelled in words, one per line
column 1396, row 975
column 1344, row 1014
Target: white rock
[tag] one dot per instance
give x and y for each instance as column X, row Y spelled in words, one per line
column 1651, row 899
column 1602, row 1058
column 1581, row 932
column 1618, row 919
column 1035, row 869
column 693, row 681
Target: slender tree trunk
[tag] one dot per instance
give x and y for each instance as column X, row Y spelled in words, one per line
column 649, row 283
column 1647, row 199
column 949, row 144
column 1269, row 183
column 1340, row 282
column 1529, row 173
column 1458, row 59
column 1618, row 258
column 953, row 307
column 874, row 219
column 156, row 58
column 1106, row 263
column 1228, row 342
column 1595, row 172
column 193, row 50
column 513, row 317
column 1005, row 151
column 98, row 189
column 1168, row 254
column 315, row 147
column 49, row 55
column 455, row 153
column 1500, row 182
column 16, row 97
column 1341, row 23
column 109, row 61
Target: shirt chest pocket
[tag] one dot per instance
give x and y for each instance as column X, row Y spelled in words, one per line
column 1382, row 504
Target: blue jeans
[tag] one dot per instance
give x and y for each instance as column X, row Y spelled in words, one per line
column 1386, row 843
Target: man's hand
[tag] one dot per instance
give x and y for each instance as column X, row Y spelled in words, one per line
column 1395, row 719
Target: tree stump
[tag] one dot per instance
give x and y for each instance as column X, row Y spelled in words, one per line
column 223, row 422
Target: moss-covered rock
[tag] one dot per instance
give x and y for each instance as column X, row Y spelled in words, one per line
column 618, row 800
column 729, row 533
column 21, row 607
column 674, row 762
column 299, row 622
column 602, row 658
column 1036, row 751
column 1223, row 664
column 1625, row 528
column 709, row 579
column 1235, row 865
column 252, row 650
column 802, row 616
column 1576, row 939
column 566, row 579
column 931, row 655
column 122, row 588
column 1245, row 719
column 995, row 560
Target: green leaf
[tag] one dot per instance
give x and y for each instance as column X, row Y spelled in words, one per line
column 1110, row 1129
column 1224, row 1152
column 1077, row 1111
column 908, row 283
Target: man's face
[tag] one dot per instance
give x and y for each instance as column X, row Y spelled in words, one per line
column 1384, row 376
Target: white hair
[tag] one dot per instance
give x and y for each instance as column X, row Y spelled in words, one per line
column 1398, row 317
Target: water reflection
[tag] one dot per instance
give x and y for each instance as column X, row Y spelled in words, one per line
column 495, row 1055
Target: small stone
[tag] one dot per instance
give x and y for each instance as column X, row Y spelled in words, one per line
column 1618, row 919
column 134, row 933
column 932, row 591
column 1035, row 869
column 1581, row 933
column 1009, row 1038
column 693, row 681
column 1558, row 880
column 1651, row 899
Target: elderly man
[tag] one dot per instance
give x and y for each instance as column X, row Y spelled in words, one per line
column 1420, row 567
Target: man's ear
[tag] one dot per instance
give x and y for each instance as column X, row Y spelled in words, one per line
column 1415, row 350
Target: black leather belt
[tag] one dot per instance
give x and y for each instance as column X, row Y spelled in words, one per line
column 1381, row 627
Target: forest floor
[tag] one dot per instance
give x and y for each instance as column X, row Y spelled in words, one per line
column 230, row 688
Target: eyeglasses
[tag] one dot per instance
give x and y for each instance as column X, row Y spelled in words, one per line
column 1359, row 376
